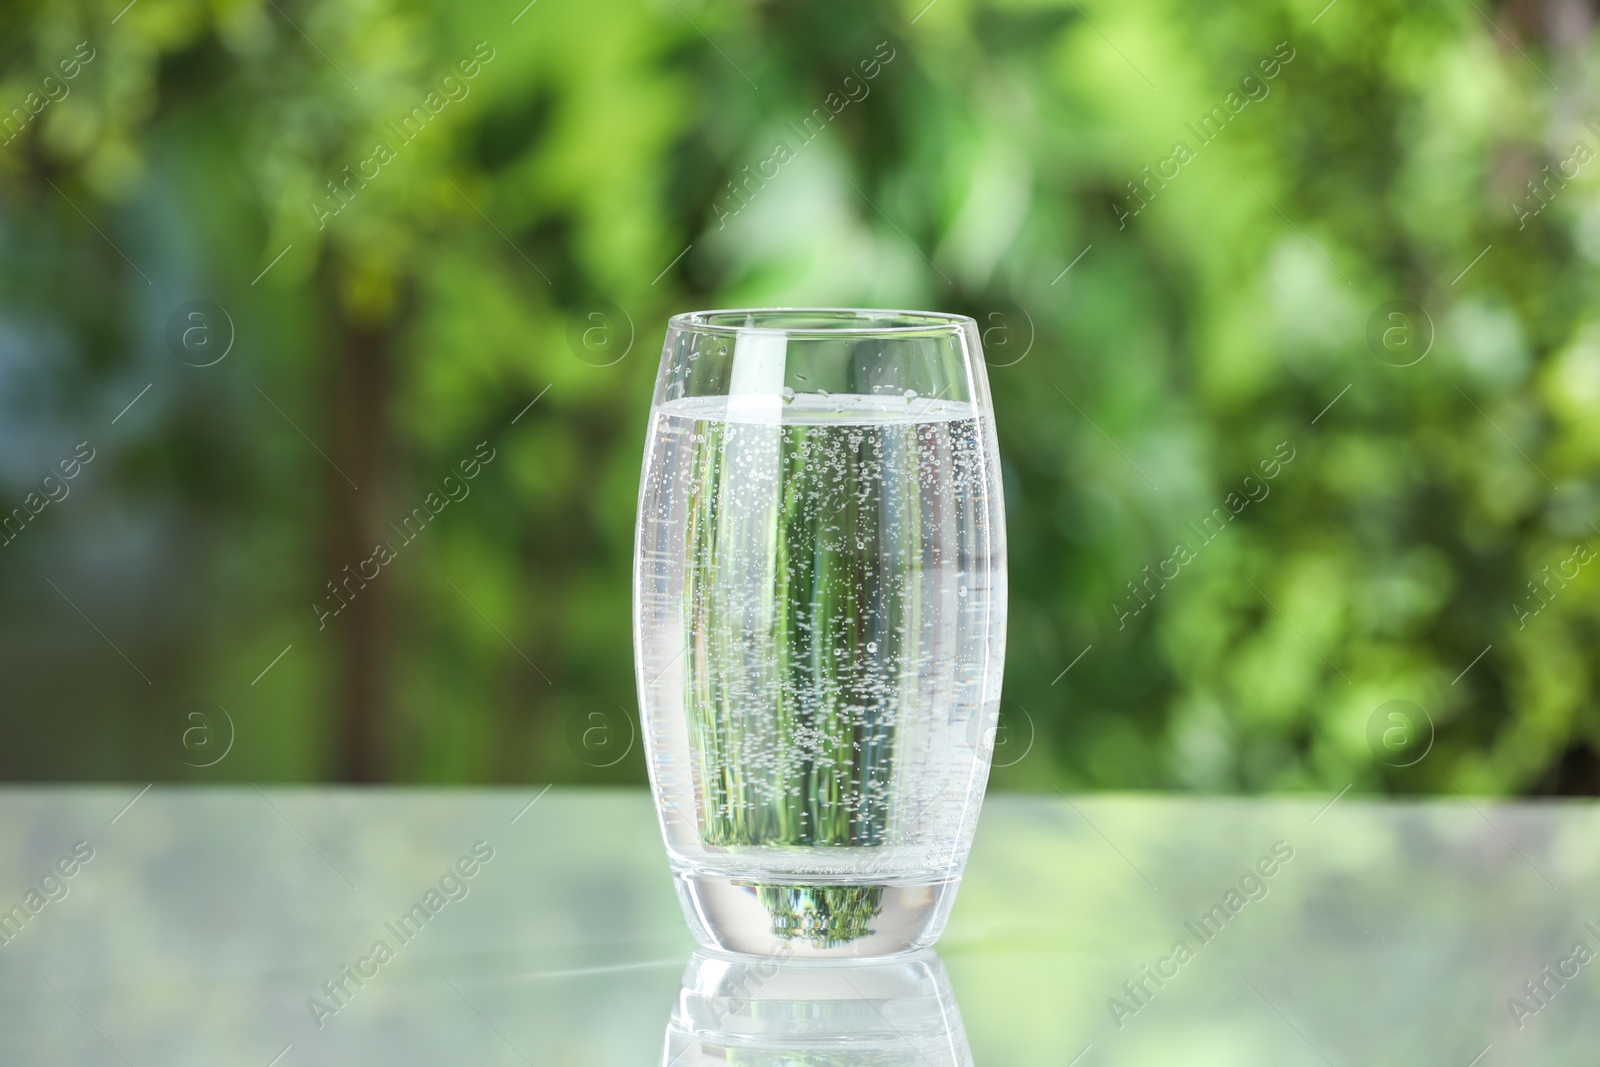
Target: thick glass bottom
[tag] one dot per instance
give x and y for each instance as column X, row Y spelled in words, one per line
column 814, row 919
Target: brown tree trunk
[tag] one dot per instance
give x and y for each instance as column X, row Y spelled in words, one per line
column 360, row 451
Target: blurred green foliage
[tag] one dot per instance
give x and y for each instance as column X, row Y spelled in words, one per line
column 560, row 202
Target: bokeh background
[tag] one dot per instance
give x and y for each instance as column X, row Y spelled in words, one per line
column 260, row 342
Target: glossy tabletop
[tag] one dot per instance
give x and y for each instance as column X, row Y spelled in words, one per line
column 503, row 927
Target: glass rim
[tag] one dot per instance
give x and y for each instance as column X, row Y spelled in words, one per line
column 845, row 322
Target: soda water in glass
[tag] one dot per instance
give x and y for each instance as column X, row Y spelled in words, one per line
column 819, row 622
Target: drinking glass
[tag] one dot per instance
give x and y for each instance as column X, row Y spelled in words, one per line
column 819, row 622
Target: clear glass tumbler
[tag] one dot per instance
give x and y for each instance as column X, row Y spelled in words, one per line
column 819, row 622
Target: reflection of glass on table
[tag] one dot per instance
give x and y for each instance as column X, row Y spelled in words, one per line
column 744, row 1010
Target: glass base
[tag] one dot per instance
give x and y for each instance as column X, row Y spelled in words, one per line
column 814, row 920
